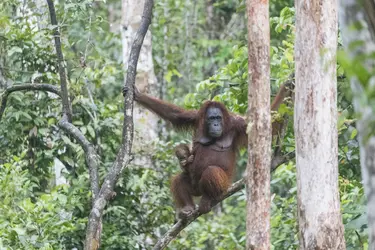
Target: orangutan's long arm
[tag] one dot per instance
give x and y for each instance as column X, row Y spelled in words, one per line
column 285, row 92
column 240, row 124
column 179, row 117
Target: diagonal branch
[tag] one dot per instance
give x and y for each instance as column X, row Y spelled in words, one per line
column 124, row 155
column 67, row 110
column 181, row 224
column 36, row 87
column 92, row 158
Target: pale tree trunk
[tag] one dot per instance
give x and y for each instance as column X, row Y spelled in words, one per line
column 356, row 25
column 259, row 128
column 315, row 122
column 145, row 122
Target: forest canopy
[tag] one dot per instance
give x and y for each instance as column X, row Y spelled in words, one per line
column 64, row 122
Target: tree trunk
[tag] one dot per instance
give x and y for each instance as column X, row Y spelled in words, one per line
column 357, row 24
column 315, row 122
column 259, row 128
column 145, row 122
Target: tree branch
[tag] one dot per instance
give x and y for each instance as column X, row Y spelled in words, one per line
column 67, row 110
column 181, row 224
column 35, row 87
column 92, row 158
column 124, row 155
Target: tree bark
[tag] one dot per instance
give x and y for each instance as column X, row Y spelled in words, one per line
column 145, row 122
column 357, row 23
column 67, row 109
column 315, row 122
column 259, row 128
column 123, row 158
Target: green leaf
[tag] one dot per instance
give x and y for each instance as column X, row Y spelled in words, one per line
column 19, row 231
column 353, row 134
column 27, row 116
column 14, row 50
column 91, row 131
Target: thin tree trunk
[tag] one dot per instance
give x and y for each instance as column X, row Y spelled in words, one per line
column 315, row 122
column 123, row 158
column 67, row 109
column 145, row 122
column 357, row 24
column 259, row 128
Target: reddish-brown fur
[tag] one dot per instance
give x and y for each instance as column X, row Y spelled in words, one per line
column 210, row 173
column 286, row 91
column 200, row 125
column 184, row 155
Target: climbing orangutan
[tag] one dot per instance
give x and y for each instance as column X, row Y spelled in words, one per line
column 217, row 134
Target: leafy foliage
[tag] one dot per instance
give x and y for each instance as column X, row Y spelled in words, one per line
column 193, row 52
column 44, row 221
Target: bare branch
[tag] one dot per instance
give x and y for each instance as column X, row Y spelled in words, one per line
column 35, row 87
column 67, row 110
column 92, row 158
column 124, row 155
column 181, row 224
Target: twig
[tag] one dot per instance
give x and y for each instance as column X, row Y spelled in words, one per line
column 35, row 87
column 124, row 155
column 359, row 238
column 16, row 70
column 67, row 110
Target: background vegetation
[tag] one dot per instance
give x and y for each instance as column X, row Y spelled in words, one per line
column 195, row 59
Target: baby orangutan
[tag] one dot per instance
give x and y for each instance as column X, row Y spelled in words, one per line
column 184, row 155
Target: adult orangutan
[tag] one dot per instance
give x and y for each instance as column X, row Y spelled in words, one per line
column 217, row 136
